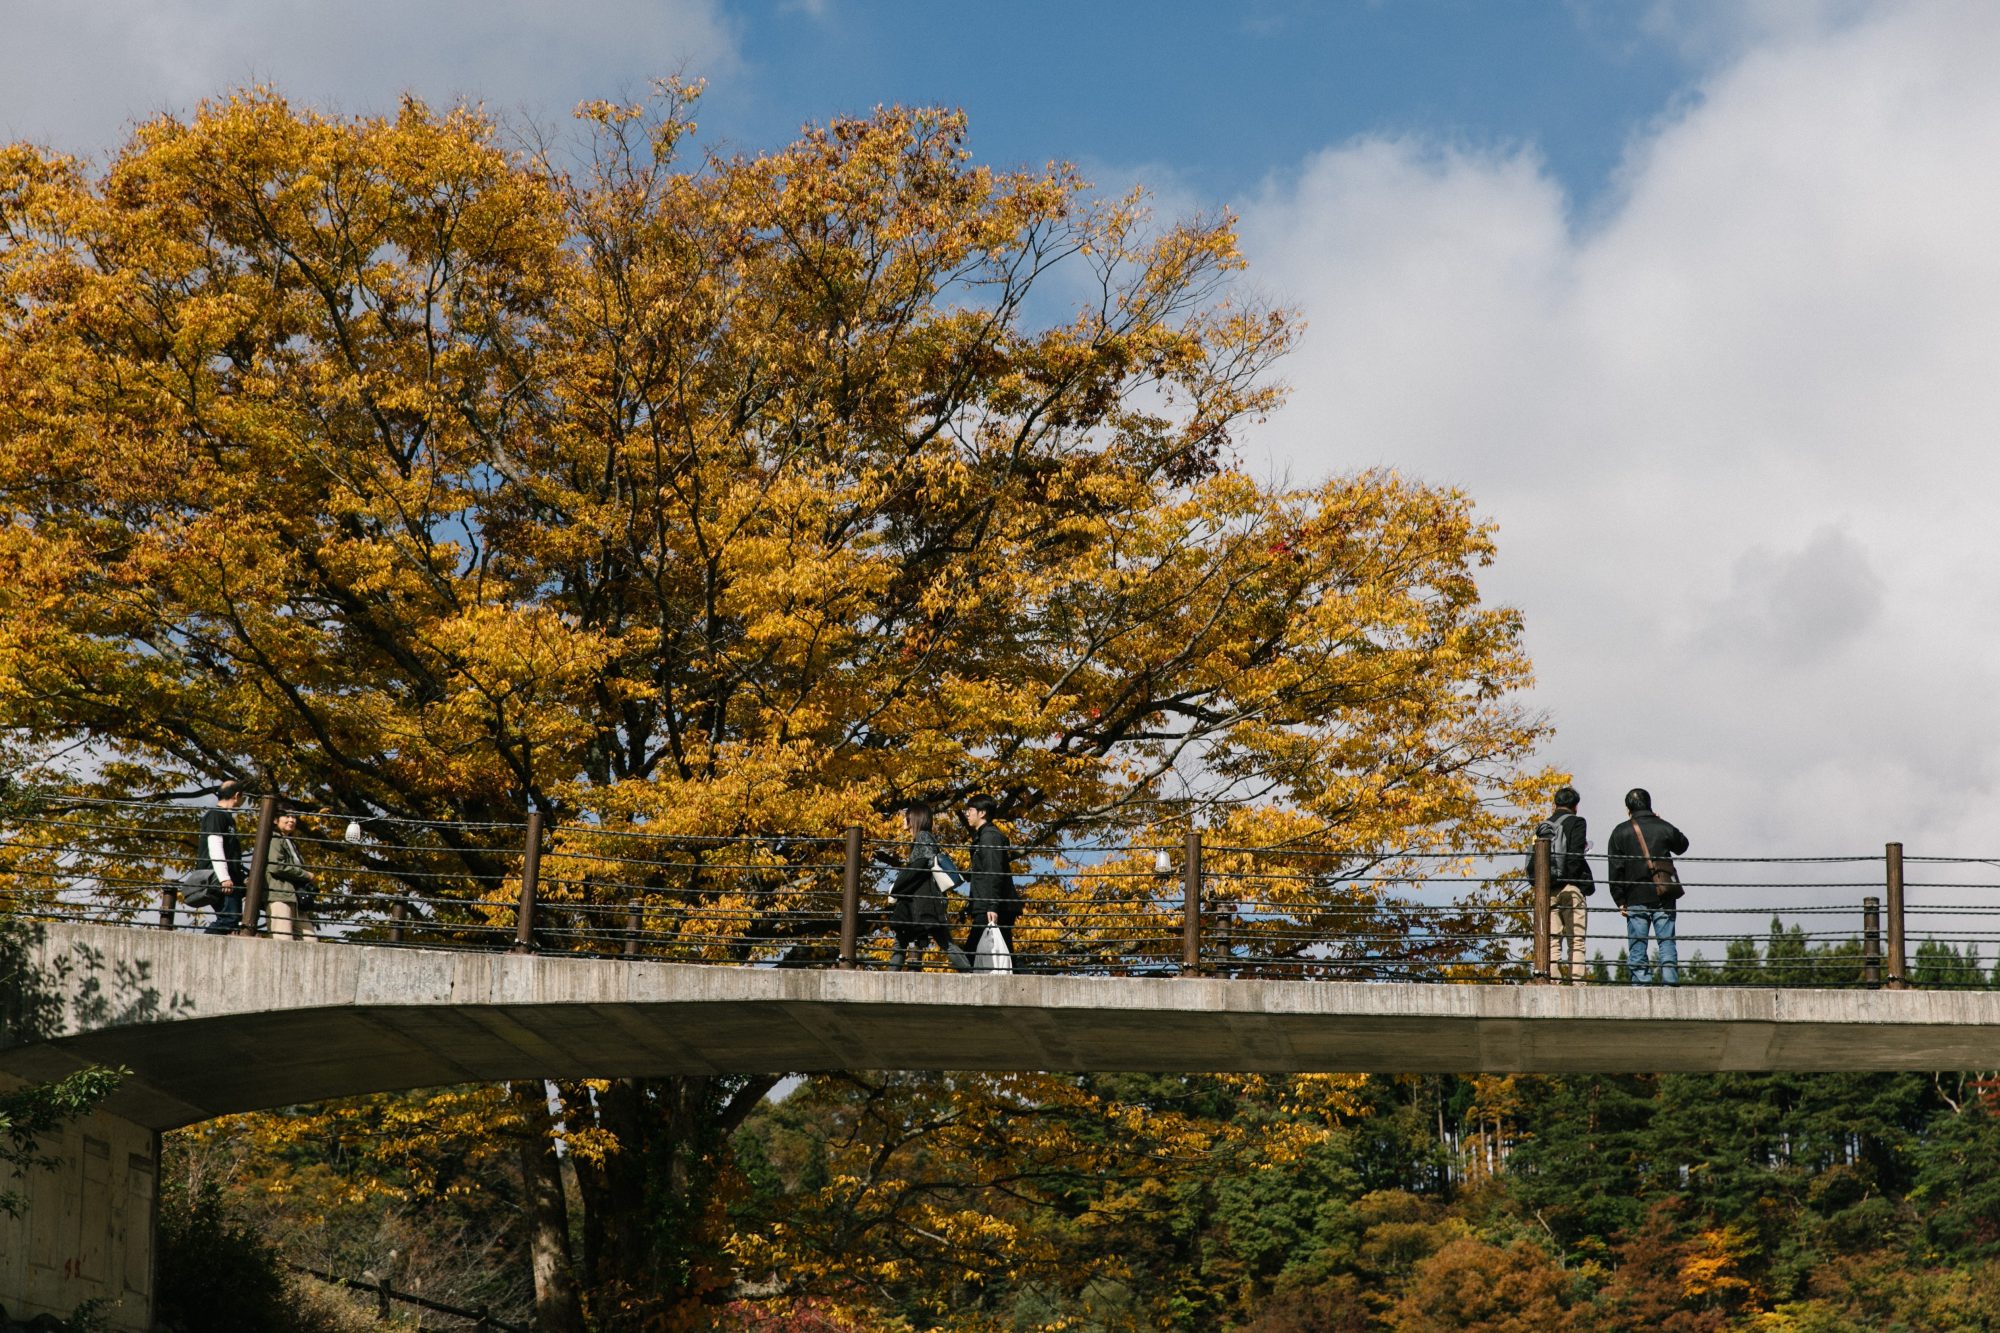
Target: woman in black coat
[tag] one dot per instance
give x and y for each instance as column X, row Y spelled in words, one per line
column 916, row 904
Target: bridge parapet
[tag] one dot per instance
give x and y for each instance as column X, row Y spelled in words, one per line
column 211, row 1025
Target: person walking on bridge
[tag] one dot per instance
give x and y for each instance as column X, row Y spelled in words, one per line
column 289, row 886
column 219, row 849
column 1571, row 882
column 1645, row 886
column 991, row 898
column 917, row 910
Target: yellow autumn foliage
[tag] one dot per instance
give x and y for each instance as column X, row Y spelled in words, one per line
column 684, row 497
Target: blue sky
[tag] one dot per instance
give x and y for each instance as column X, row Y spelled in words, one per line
column 1219, row 95
column 1214, row 96
column 1698, row 299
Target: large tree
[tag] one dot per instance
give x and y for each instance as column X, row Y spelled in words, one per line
column 429, row 475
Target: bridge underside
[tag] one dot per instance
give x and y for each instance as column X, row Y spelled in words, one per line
column 211, row 1026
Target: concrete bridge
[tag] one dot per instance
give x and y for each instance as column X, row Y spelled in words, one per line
column 211, row 1025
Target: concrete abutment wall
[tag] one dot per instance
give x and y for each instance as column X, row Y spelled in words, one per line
column 88, row 1232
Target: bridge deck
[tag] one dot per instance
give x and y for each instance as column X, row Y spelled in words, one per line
column 212, row 1025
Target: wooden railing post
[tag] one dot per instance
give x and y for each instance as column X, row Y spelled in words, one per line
column 1893, row 963
column 850, row 899
column 1191, row 905
column 531, row 875
column 399, row 912
column 635, row 922
column 1539, row 966
column 260, row 861
column 169, row 895
column 1871, row 940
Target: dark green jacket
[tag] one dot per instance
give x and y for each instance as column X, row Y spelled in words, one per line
column 285, row 875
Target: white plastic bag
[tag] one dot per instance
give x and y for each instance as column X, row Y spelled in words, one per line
column 993, row 955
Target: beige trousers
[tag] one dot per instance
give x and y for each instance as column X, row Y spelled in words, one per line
column 289, row 923
column 1566, row 932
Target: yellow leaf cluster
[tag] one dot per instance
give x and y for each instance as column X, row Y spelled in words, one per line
column 425, row 476
column 711, row 505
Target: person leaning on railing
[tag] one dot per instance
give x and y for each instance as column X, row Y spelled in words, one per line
column 1645, row 885
column 1569, row 875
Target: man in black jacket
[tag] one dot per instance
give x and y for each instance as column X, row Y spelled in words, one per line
column 220, row 850
column 1643, row 844
column 1571, row 882
column 991, row 898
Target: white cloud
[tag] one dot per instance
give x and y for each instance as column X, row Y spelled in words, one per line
column 1738, row 432
column 1801, row 610
column 1723, row 28
column 76, row 76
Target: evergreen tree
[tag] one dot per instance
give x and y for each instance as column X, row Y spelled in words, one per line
column 1957, row 1184
column 1582, row 1159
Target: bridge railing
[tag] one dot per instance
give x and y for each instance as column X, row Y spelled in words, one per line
column 1121, row 910
column 1773, row 921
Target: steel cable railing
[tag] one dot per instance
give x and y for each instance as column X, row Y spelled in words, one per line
column 804, row 900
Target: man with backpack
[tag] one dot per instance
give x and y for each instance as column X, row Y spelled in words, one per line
column 1570, row 883
column 1646, row 886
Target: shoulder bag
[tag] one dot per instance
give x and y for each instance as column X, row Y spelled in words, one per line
column 199, row 888
column 944, row 874
column 1666, row 880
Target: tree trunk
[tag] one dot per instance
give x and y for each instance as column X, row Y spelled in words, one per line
column 652, row 1220
column 612, row 1188
column 558, row 1303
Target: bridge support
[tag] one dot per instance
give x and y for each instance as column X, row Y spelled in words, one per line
column 88, row 1231
column 1539, row 909
column 531, row 875
column 1894, row 963
column 850, row 898
column 260, row 861
column 1871, row 940
column 1191, row 905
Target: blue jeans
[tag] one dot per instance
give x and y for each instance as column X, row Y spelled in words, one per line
column 1660, row 920
column 228, row 914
